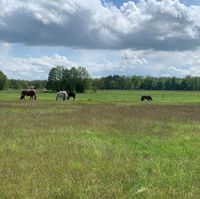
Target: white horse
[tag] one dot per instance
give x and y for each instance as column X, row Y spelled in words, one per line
column 62, row 94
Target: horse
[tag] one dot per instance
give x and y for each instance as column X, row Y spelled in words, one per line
column 62, row 94
column 30, row 93
column 146, row 97
column 71, row 94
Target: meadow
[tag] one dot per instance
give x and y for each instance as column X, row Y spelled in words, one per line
column 102, row 145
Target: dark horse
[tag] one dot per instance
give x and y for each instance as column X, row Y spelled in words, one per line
column 146, row 97
column 30, row 93
column 71, row 94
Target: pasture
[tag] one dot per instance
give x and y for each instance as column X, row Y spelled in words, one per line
column 103, row 145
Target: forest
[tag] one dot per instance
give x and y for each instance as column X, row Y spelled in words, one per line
column 79, row 80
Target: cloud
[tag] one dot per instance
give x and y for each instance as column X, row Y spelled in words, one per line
column 162, row 63
column 148, row 62
column 128, row 62
column 165, row 25
column 32, row 68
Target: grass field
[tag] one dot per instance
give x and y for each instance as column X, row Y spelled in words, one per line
column 116, row 96
column 103, row 145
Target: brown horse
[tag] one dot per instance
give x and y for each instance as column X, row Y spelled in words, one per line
column 30, row 93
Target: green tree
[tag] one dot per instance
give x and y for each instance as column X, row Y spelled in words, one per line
column 3, row 81
column 95, row 84
column 83, row 82
column 74, row 79
column 14, row 84
column 136, row 82
column 147, row 83
column 55, row 78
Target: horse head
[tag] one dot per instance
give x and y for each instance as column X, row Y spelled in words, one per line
column 22, row 97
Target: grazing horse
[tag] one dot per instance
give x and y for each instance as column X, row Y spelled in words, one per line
column 71, row 94
column 146, row 97
column 62, row 94
column 30, row 93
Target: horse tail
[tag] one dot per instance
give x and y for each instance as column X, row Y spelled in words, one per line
column 35, row 97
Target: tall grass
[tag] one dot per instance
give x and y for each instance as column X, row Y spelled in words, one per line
column 85, row 149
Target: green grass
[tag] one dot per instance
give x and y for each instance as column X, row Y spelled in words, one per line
column 103, row 145
column 116, row 96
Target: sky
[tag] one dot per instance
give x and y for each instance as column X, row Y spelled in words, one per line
column 122, row 37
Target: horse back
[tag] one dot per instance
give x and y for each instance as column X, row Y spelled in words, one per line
column 28, row 92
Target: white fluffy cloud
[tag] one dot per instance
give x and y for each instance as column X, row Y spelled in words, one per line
column 130, row 62
column 162, row 63
column 150, row 24
column 152, row 37
column 32, row 68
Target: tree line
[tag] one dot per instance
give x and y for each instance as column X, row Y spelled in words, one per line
column 17, row 84
column 79, row 80
column 147, row 83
